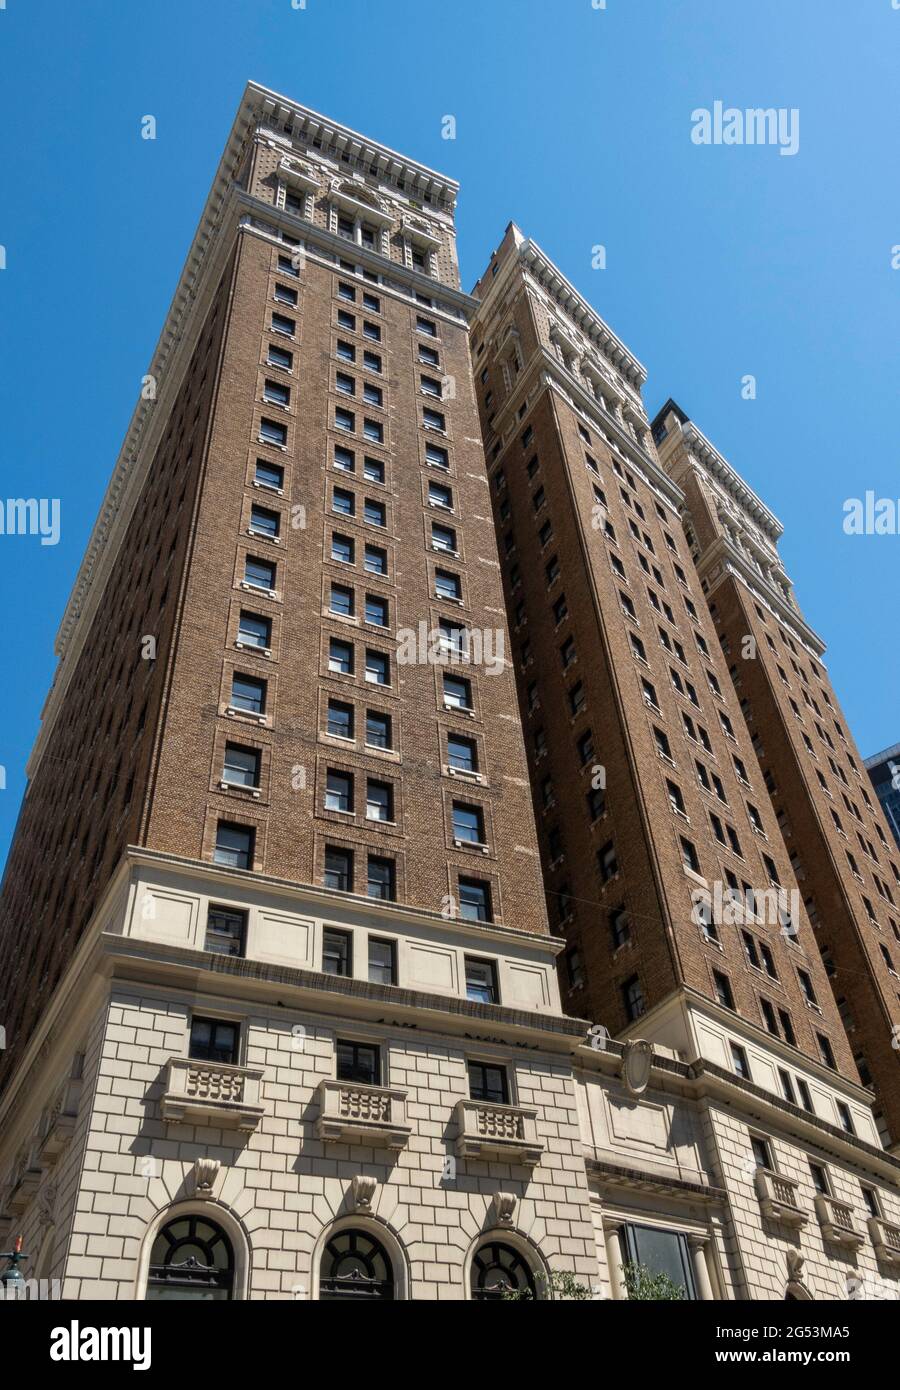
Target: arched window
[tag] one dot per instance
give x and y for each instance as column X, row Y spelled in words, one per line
column 191, row 1258
column 354, row 1265
column 498, row 1269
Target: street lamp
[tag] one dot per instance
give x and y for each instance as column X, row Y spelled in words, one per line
column 11, row 1278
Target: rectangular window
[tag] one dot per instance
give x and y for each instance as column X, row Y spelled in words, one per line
column 381, row 879
column 633, row 998
column 234, row 845
column 457, row 692
column 277, row 393
column 264, row 522
column 462, row 753
column 447, row 585
column 488, row 1082
column 375, row 560
column 661, row 1252
column 226, row 929
column 342, row 548
column 722, row 986
column 279, row 357
column 255, row 631
column 271, row 432
column 241, row 767
column 336, row 952
column 282, row 324
column 376, row 610
column 382, row 962
column 481, row 981
column 475, row 900
column 340, row 719
column 339, row 869
column 213, row 1040
column 341, row 600
column 378, row 669
column 378, row 729
column 268, row 474
column 338, row 791
column 359, row 1062
column 248, row 694
column 468, row 824
column 373, row 470
column 340, row 658
column 379, row 800
column 436, row 456
column 259, row 573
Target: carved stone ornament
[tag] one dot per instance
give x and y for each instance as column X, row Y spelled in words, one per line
column 362, row 1191
column 505, row 1207
column 206, row 1170
column 636, row 1062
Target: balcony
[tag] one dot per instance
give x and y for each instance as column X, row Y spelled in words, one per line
column 350, row 1112
column 778, row 1198
column 489, row 1130
column 886, row 1240
column 212, row 1093
column 836, row 1220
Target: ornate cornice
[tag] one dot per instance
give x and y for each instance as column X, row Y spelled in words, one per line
column 334, row 140
column 588, row 320
column 707, row 457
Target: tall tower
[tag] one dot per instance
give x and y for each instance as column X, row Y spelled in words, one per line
column 274, row 905
column 834, row 829
column 303, row 484
column 664, row 861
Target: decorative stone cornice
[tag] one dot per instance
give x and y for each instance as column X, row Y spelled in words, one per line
column 335, row 141
column 696, row 447
column 588, row 320
column 723, row 558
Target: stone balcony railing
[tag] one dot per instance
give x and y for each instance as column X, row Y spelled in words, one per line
column 350, row 1111
column 778, row 1198
column 212, row 1093
column 886, row 1239
column 837, row 1222
column 488, row 1130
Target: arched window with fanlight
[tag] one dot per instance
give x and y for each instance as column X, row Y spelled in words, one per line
column 355, row 1265
column 191, row 1257
column 499, row 1269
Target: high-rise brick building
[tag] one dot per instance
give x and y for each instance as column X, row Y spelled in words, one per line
column 281, row 1004
column 841, row 849
column 647, row 793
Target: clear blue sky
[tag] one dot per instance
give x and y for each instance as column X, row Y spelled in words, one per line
column 575, row 123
